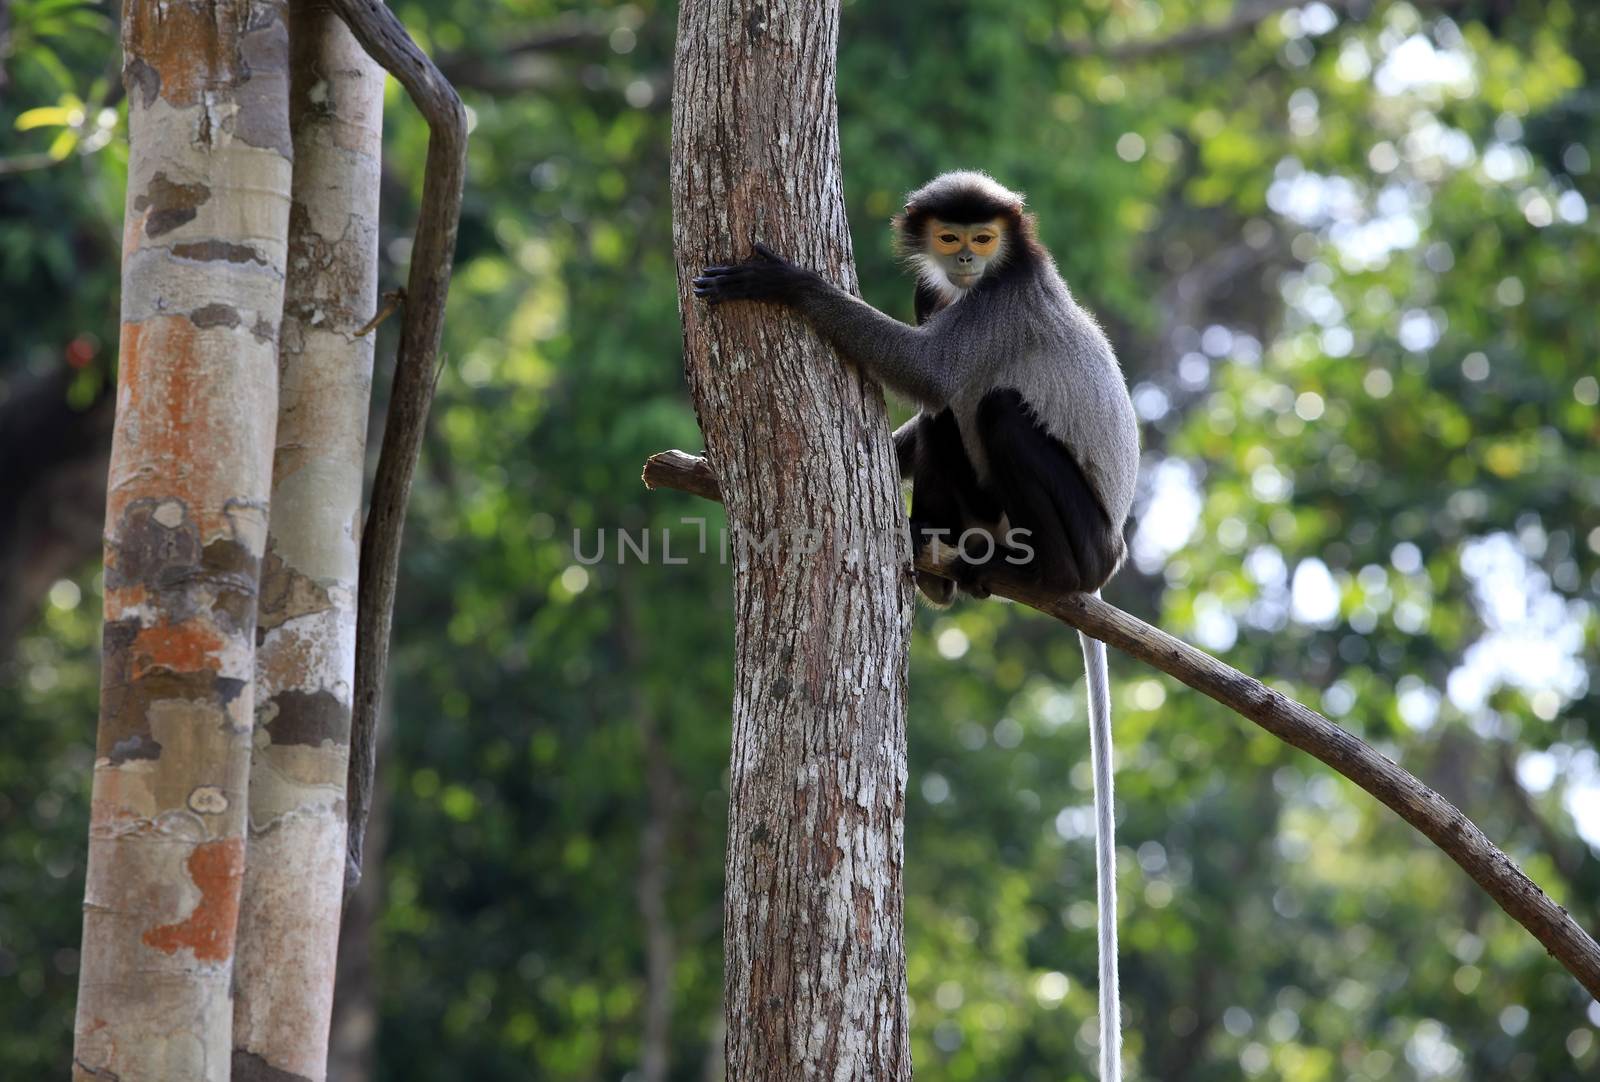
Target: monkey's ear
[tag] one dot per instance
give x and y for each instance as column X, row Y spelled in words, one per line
column 908, row 208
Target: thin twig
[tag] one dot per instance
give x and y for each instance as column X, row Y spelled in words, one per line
column 1430, row 813
column 28, row 163
column 432, row 253
column 392, row 299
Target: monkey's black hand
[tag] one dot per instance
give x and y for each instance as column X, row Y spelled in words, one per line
column 765, row 277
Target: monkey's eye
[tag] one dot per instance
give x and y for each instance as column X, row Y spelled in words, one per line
column 948, row 238
column 982, row 238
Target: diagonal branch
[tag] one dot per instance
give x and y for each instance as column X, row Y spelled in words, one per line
column 1430, row 813
column 415, row 376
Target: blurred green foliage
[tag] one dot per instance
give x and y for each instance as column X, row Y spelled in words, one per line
column 1351, row 266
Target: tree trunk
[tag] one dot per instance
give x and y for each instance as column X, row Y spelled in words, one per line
column 815, row 962
column 353, row 1034
column 305, row 665
column 660, row 946
column 186, row 522
column 655, row 851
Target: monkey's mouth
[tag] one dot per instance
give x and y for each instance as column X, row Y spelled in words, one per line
column 962, row 278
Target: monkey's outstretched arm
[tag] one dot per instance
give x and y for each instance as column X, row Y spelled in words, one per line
column 909, row 360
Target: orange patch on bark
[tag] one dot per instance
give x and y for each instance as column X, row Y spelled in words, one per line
column 121, row 599
column 192, row 646
column 191, row 46
column 182, row 447
column 217, row 868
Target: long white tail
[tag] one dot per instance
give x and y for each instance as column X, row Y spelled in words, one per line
column 1105, row 854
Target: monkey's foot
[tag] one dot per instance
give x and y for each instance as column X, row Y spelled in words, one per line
column 936, row 589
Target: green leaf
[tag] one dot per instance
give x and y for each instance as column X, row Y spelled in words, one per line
column 63, row 145
column 46, row 116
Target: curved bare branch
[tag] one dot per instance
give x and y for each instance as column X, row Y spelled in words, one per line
column 1439, row 820
column 415, row 376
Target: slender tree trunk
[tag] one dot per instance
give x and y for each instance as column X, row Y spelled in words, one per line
column 815, row 963
column 660, row 946
column 305, row 664
column 186, row 522
column 715, row 1067
column 655, row 854
column 352, row 1042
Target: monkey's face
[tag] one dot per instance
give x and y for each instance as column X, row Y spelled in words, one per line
column 964, row 251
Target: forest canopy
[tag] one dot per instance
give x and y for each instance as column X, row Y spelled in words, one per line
column 1348, row 255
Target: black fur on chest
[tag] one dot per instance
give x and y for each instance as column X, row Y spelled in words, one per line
column 1037, row 506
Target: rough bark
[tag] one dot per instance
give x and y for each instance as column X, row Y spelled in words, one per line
column 416, row 375
column 815, row 964
column 186, row 521
column 305, row 661
column 1439, row 820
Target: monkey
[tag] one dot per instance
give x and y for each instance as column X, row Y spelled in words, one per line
column 1026, row 431
column 1025, row 421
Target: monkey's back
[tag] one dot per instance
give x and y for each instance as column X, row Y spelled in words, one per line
column 1037, row 340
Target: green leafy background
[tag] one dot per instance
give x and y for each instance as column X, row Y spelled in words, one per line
column 1349, row 257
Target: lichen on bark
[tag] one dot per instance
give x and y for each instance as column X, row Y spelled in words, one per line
column 186, row 509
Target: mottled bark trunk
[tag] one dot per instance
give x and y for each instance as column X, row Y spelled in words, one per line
column 305, row 663
column 186, row 522
column 815, row 964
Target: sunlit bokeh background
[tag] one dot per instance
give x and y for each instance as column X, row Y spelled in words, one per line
column 1349, row 255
